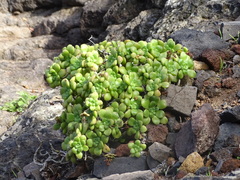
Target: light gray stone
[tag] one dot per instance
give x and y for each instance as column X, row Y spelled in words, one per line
column 236, row 71
column 181, row 99
column 137, row 175
column 230, row 29
column 236, row 59
column 159, row 151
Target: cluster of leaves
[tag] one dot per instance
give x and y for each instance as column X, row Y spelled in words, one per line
column 20, row 104
column 112, row 90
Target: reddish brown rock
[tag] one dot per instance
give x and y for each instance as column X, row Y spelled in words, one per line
column 230, row 165
column 157, row 133
column 205, row 126
column 122, row 150
column 77, row 171
column 229, row 82
column 181, row 174
column 215, row 58
column 236, row 48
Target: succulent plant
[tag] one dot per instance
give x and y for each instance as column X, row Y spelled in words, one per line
column 112, row 90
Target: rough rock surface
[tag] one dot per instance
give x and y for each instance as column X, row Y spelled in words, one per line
column 230, row 165
column 226, row 130
column 122, row 150
column 205, row 126
column 181, row 99
column 192, row 163
column 198, row 41
column 159, row 151
column 201, row 77
column 199, row 133
column 231, row 115
column 119, row 165
column 214, row 58
column 32, row 134
column 146, row 175
column 221, row 155
column 156, row 133
column 185, row 141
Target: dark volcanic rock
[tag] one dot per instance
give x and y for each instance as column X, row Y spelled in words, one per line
column 198, row 41
column 231, row 115
column 32, row 134
column 123, row 11
column 138, row 28
column 226, row 130
column 59, row 22
column 185, row 141
column 205, row 126
column 92, row 17
column 74, row 2
column 119, row 165
column 28, row 5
